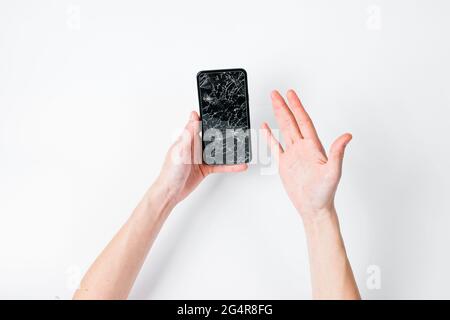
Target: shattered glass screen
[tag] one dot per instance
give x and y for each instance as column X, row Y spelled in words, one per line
column 225, row 121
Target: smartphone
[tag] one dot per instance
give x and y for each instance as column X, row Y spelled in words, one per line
column 225, row 116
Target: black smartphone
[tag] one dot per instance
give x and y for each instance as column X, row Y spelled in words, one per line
column 225, row 116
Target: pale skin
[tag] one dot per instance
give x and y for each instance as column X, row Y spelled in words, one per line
column 309, row 176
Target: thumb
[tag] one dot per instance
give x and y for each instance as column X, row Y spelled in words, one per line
column 182, row 149
column 193, row 124
column 337, row 150
column 193, row 141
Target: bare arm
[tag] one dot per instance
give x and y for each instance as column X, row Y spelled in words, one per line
column 331, row 273
column 113, row 273
column 310, row 178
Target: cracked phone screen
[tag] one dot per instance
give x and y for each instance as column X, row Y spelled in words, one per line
column 224, row 112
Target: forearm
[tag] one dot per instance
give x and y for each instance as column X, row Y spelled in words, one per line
column 113, row 273
column 331, row 273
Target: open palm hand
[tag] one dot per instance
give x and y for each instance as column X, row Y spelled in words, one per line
column 309, row 176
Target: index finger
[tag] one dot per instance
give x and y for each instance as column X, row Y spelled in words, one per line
column 285, row 119
column 304, row 122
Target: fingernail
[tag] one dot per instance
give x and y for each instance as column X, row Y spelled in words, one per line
column 273, row 94
column 348, row 141
column 192, row 116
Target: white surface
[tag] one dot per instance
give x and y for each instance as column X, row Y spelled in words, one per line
column 91, row 93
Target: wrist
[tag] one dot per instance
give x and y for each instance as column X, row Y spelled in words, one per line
column 319, row 220
column 160, row 198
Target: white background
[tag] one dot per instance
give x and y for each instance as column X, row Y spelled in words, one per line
column 91, row 93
